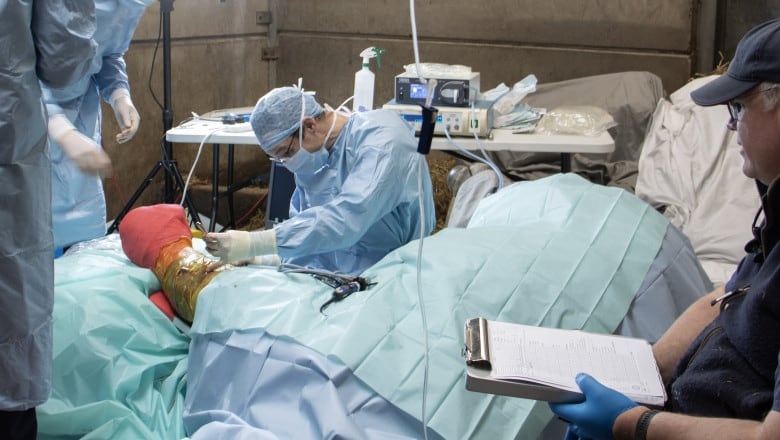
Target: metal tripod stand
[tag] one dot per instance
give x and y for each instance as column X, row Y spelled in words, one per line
column 167, row 163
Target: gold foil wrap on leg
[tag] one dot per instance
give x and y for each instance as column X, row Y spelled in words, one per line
column 183, row 272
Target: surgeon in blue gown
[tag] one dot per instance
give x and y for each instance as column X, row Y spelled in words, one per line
column 78, row 161
column 46, row 41
column 356, row 194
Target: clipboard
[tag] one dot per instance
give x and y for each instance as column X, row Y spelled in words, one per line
column 479, row 376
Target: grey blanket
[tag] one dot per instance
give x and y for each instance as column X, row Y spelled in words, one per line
column 630, row 97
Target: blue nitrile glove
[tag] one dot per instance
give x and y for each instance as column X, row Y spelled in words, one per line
column 595, row 416
column 572, row 433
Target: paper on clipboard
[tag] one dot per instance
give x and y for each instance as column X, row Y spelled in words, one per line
column 541, row 363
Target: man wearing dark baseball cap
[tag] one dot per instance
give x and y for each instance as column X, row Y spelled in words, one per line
column 757, row 60
column 719, row 360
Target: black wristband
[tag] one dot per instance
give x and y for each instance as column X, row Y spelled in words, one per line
column 643, row 424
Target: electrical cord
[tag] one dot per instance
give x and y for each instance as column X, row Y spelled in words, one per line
column 489, row 162
column 154, row 58
column 245, row 217
column 195, row 116
column 478, row 142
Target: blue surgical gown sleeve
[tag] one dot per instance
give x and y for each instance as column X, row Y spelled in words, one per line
column 113, row 72
column 112, row 75
column 380, row 176
column 369, row 193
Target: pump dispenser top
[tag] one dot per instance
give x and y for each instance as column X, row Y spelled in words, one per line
column 363, row 97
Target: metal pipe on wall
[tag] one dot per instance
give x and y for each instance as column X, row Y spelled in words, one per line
column 273, row 41
column 705, row 36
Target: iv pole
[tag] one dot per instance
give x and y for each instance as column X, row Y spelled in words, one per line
column 167, row 163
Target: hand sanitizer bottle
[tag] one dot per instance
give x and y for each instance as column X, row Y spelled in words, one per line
column 363, row 97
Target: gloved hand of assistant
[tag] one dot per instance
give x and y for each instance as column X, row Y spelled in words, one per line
column 266, row 260
column 83, row 151
column 232, row 246
column 126, row 114
column 594, row 417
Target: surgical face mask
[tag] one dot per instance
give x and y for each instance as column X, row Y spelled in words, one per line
column 304, row 162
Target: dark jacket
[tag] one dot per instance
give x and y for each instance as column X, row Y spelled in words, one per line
column 729, row 370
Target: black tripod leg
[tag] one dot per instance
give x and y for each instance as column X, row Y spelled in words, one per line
column 230, row 189
column 171, row 170
column 135, row 197
column 214, row 188
column 565, row 162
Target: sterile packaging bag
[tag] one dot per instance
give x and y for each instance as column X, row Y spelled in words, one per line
column 520, row 90
column 439, row 70
column 585, row 120
column 523, row 117
column 493, row 94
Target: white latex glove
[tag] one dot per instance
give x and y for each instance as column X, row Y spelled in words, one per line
column 267, row 260
column 240, row 245
column 83, row 151
column 126, row 115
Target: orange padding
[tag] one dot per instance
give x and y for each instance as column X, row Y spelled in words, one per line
column 161, row 301
column 145, row 230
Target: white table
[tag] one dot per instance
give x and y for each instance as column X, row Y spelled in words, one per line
column 500, row 139
column 193, row 132
column 216, row 133
column 508, row 140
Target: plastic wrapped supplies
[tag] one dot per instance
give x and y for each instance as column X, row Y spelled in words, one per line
column 507, row 103
column 508, row 111
column 580, row 120
column 438, row 70
column 523, row 118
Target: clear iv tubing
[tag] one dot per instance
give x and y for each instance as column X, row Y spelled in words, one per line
column 477, row 158
column 431, row 84
column 486, row 159
column 194, row 163
column 422, row 229
column 421, row 201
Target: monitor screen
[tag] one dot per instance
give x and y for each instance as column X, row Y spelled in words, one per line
column 417, row 91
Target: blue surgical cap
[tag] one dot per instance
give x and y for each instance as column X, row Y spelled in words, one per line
column 278, row 114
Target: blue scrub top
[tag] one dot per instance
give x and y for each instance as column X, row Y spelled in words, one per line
column 363, row 203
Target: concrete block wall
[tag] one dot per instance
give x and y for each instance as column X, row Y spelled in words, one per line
column 217, row 55
column 504, row 40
